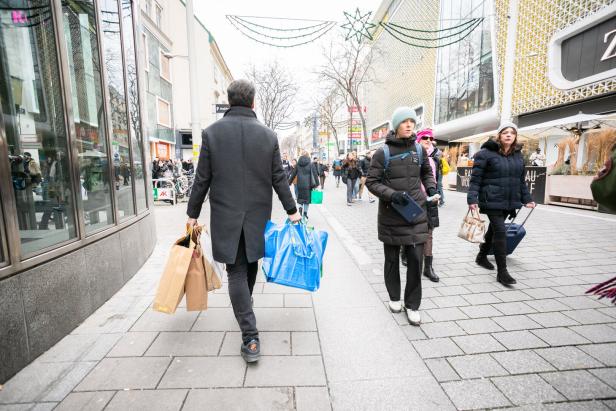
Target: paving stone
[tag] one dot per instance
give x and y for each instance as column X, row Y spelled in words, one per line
column 285, row 319
column 578, row 385
column 516, row 322
column 297, row 300
column 611, row 311
column 554, row 319
column 436, row 347
column 522, row 362
column 121, row 373
column 272, row 343
column 442, row 370
column 591, row 316
column 268, row 300
column 549, row 305
column 481, row 311
column 580, row 302
column 481, row 298
column 216, row 319
column 611, row 404
column 598, row 333
column 607, row 375
column 519, row 340
column 204, row 372
column 484, row 288
column 91, row 401
column 294, row 370
column 481, row 343
column 476, row 366
column 192, row 343
column 514, row 308
column 154, row 400
column 236, row 399
column 271, row 288
column 413, row 333
column 40, row 406
column 511, row 296
column 446, row 314
column 305, row 343
column 606, row 353
column 449, row 301
column 545, row 292
column 312, row 399
column 475, row 394
column 559, row 336
column 442, row 329
column 155, row 321
column 218, row 300
column 478, row 326
column 132, row 344
column 83, row 347
column 526, row 389
column 453, row 289
column 568, row 358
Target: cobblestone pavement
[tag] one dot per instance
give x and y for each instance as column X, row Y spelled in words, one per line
column 542, row 344
column 541, row 341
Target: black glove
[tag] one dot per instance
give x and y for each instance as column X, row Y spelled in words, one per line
column 399, row 198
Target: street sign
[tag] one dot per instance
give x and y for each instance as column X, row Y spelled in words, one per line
column 221, row 108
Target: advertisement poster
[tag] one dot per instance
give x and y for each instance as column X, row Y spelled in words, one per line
column 379, row 133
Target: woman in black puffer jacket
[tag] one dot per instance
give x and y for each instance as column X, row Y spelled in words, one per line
column 497, row 188
column 307, row 180
column 403, row 175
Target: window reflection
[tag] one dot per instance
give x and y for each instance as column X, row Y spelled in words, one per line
column 114, row 66
column 133, row 102
column 33, row 120
column 465, row 83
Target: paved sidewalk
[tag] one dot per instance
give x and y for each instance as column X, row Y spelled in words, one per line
column 540, row 342
column 481, row 346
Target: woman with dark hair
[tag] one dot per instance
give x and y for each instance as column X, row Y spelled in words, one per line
column 307, row 180
column 350, row 167
column 497, row 188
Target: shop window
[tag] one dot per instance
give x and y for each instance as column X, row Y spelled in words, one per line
column 120, row 141
column 33, row 122
column 164, row 112
column 88, row 112
column 165, row 67
column 134, row 113
column 158, row 18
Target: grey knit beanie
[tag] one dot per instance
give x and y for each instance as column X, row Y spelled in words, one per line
column 507, row 124
column 401, row 114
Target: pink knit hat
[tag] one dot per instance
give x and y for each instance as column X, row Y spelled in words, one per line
column 425, row 132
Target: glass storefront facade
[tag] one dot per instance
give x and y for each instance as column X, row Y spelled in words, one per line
column 71, row 125
column 465, row 72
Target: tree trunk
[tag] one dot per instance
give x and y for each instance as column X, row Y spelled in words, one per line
column 363, row 121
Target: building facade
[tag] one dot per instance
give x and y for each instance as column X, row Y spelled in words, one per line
column 75, row 215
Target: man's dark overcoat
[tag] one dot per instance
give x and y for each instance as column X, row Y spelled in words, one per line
column 239, row 164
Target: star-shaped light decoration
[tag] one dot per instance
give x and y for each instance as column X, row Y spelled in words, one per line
column 358, row 26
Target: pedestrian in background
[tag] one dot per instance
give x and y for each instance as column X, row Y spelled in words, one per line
column 240, row 189
column 364, row 166
column 497, row 188
column 323, row 171
column 426, row 139
column 404, row 176
column 293, row 181
column 307, row 180
column 350, row 168
column 337, row 167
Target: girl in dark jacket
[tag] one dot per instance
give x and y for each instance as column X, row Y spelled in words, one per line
column 306, row 181
column 350, row 168
column 497, row 188
column 403, row 176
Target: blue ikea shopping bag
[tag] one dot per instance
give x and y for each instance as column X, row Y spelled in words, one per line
column 294, row 255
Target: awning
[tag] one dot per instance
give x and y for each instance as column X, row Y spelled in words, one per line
column 476, row 138
column 556, row 127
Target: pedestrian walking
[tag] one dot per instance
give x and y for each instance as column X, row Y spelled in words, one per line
column 337, row 167
column 364, row 166
column 286, row 165
column 426, row 139
column 403, row 177
column 306, row 180
column 351, row 170
column 239, row 164
column 497, row 188
column 323, row 172
column 293, row 181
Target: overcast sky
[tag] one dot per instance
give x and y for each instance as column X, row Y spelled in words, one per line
column 240, row 51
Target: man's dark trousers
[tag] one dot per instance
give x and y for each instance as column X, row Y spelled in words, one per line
column 242, row 276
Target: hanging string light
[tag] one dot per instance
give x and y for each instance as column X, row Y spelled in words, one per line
column 404, row 38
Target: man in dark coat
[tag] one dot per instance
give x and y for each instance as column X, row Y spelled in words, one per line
column 239, row 164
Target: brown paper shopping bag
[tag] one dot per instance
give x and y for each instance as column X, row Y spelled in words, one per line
column 171, row 286
column 196, row 288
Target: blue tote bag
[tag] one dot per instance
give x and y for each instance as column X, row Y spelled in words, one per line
column 294, row 255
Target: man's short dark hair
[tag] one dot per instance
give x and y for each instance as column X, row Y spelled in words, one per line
column 241, row 93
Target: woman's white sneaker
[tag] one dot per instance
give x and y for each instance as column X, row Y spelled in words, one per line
column 413, row 316
column 395, row 306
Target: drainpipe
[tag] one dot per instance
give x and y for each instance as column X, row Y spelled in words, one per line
column 510, row 60
column 194, row 90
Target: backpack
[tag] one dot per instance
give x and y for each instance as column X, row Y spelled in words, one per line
column 402, row 156
column 337, row 165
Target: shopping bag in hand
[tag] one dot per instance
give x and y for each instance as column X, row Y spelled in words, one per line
column 294, row 255
column 171, row 285
column 214, row 269
column 316, row 197
column 473, row 228
column 195, row 286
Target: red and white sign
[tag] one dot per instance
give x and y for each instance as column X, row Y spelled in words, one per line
column 354, row 109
